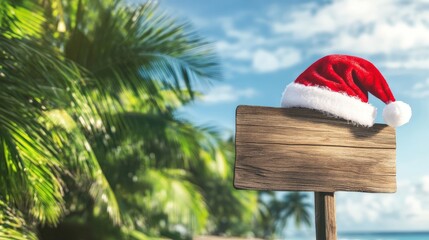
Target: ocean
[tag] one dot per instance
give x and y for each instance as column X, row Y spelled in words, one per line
column 385, row 236
column 374, row 236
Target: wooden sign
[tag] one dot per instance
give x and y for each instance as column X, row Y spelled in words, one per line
column 295, row 149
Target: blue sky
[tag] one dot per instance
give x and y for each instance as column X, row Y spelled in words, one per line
column 265, row 45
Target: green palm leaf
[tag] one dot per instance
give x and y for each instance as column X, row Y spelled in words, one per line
column 88, row 116
column 29, row 157
column 170, row 193
column 13, row 225
column 297, row 207
column 143, row 47
column 21, row 18
column 31, row 152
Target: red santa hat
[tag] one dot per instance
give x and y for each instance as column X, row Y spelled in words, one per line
column 339, row 85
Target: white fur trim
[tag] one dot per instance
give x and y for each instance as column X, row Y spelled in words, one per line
column 397, row 113
column 328, row 101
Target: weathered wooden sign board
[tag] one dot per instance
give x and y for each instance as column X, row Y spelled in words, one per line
column 295, row 149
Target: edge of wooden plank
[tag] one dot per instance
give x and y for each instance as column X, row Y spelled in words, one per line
column 298, row 112
column 314, row 116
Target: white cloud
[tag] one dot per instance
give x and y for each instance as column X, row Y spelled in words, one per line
column 312, row 19
column 367, row 26
column 420, row 89
column 409, row 62
column 234, row 51
column 361, row 208
column 407, row 207
column 266, row 61
column 257, row 52
column 425, row 184
column 227, row 93
column 383, row 37
column 259, row 56
column 391, row 32
column 391, row 28
column 415, row 210
column 413, row 206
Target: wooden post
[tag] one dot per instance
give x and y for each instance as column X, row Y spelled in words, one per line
column 295, row 149
column 324, row 206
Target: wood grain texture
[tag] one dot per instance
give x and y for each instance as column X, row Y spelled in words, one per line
column 303, row 150
column 324, row 204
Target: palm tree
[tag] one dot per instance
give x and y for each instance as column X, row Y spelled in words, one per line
column 88, row 127
column 33, row 79
column 265, row 219
column 89, row 130
column 275, row 213
column 298, row 202
column 154, row 63
column 294, row 206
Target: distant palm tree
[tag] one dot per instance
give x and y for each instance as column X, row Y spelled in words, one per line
column 275, row 213
column 265, row 219
column 294, row 206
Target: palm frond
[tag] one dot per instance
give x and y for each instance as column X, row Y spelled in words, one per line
column 143, row 47
column 171, row 194
column 294, row 206
column 35, row 172
column 13, row 225
column 23, row 104
column 29, row 157
column 20, row 18
column 93, row 102
column 82, row 162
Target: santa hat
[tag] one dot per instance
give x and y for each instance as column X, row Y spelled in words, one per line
column 339, row 85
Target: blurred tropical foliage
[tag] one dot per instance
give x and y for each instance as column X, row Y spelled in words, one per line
column 91, row 142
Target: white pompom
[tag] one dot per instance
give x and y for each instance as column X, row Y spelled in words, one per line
column 397, row 113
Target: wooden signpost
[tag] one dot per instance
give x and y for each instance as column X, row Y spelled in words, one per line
column 295, row 149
